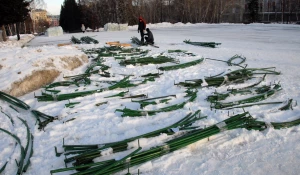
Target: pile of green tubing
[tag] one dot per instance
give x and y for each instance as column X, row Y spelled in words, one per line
column 86, row 153
column 135, row 113
column 253, row 90
column 14, row 101
column 88, row 40
column 124, row 83
column 116, row 52
column 147, row 60
column 244, row 120
column 23, row 153
column 181, row 66
column 75, row 40
column 42, row 118
column 120, row 94
column 287, row 105
column 253, row 99
column 154, row 75
column 204, row 44
column 83, row 40
column 181, row 51
column 153, row 101
column 136, row 41
column 60, row 97
column 26, row 153
column 77, row 79
column 236, row 76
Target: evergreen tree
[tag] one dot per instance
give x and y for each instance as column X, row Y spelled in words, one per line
column 70, row 16
column 14, row 11
column 253, row 11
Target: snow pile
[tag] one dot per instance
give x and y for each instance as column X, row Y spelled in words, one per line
column 162, row 25
column 54, row 31
column 13, row 41
column 46, row 63
column 115, row 27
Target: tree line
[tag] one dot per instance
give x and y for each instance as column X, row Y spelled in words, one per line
column 96, row 13
column 14, row 14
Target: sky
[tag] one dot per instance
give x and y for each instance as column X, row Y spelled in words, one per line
column 53, row 6
column 234, row 152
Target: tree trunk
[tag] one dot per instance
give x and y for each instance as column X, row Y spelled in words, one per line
column 282, row 11
column 9, row 28
column 4, row 36
column 18, row 30
column 24, row 27
column 15, row 26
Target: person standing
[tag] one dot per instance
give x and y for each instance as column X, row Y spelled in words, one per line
column 141, row 28
column 82, row 28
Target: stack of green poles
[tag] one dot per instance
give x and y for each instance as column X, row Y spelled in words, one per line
column 86, row 153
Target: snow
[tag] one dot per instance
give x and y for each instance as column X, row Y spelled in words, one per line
column 231, row 152
column 54, row 31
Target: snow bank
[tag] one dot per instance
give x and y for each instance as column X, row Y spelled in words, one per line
column 115, row 27
column 162, row 25
column 46, row 64
column 54, row 31
column 13, row 41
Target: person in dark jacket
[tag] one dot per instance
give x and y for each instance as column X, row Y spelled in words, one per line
column 149, row 36
column 141, row 28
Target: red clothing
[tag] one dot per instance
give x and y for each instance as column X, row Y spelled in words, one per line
column 142, row 24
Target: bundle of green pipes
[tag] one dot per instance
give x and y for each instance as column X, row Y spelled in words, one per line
column 14, row 101
column 287, row 105
column 181, row 66
column 153, row 101
column 75, row 40
column 103, row 67
column 261, row 96
column 124, row 83
column 39, row 115
column 71, row 104
column 148, row 60
column 243, row 120
column 236, row 76
column 26, row 153
column 88, row 40
column 181, row 51
column 83, row 40
column 135, row 113
column 77, row 79
column 154, row 75
column 116, row 52
column 121, row 94
column 86, row 153
column 136, row 41
column 204, row 44
column 252, row 90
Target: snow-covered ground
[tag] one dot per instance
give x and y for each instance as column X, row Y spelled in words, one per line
column 231, row 152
